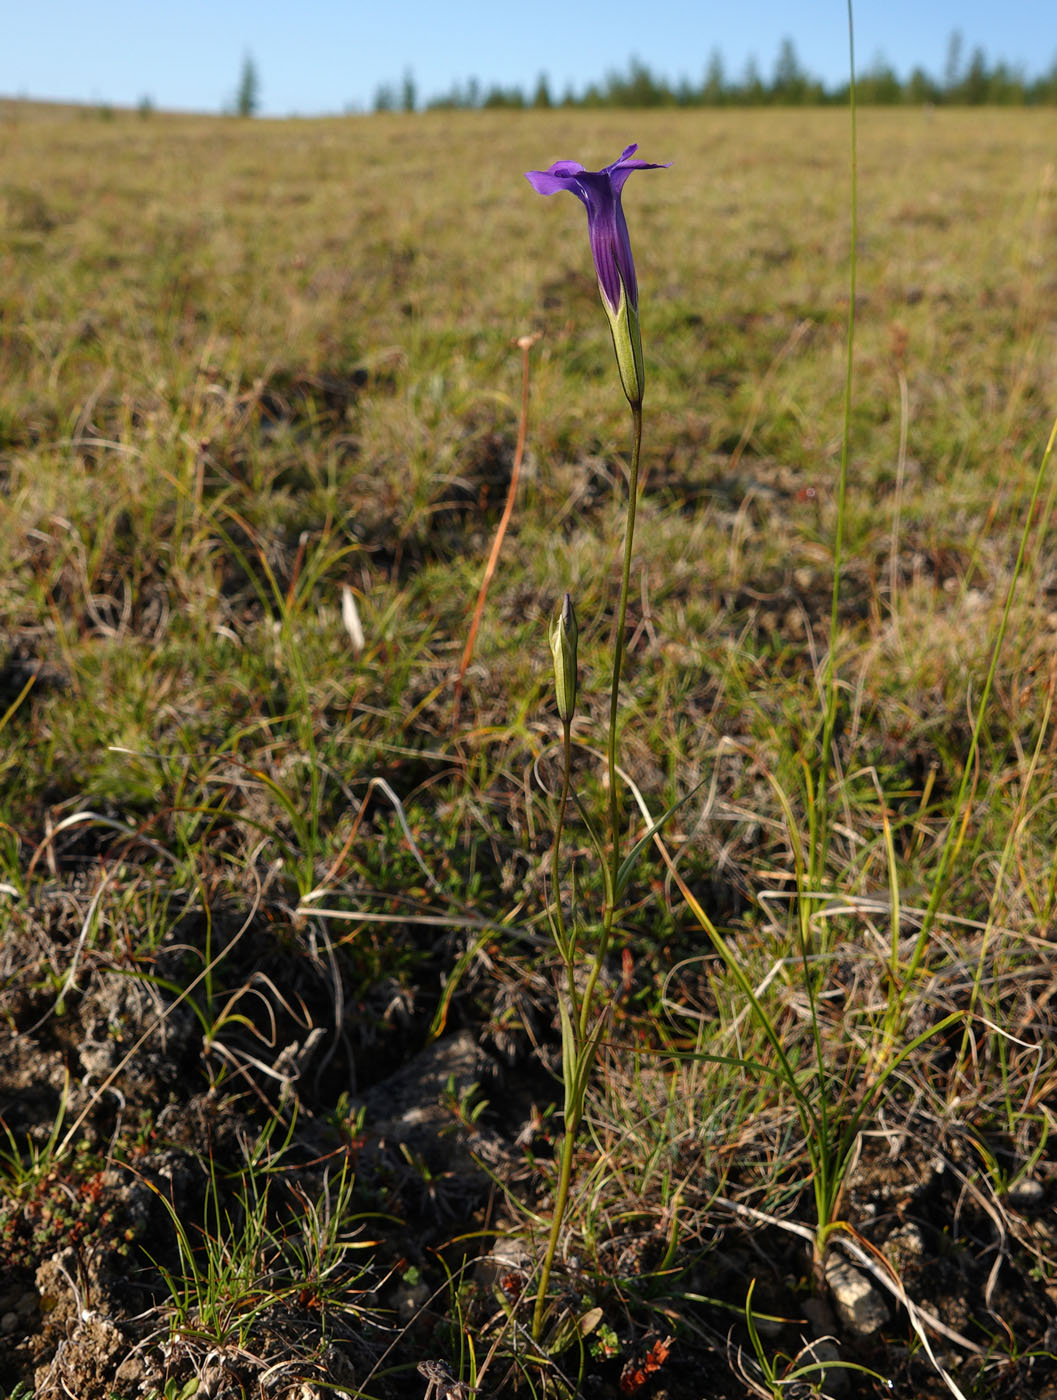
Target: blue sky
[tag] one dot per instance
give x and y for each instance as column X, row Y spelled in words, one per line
column 325, row 55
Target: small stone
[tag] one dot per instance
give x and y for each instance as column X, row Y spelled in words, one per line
column 8, row 1323
column 859, row 1304
column 508, row 1260
column 411, row 1298
column 130, row 1373
column 1027, row 1194
column 832, row 1377
column 98, row 1057
column 905, row 1244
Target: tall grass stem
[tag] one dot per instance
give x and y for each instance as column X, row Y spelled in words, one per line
column 818, row 811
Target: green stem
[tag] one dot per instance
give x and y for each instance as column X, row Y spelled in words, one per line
column 618, row 645
column 565, row 1172
column 818, row 812
column 571, row 1111
column 960, row 818
column 580, row 1011
column 614, row 711
column 565, row 947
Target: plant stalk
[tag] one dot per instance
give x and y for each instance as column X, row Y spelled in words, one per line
column 570, row 1111
column 583, row 1049
column 609, row 912
column 818, row 812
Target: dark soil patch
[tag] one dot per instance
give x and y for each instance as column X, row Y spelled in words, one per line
column 173, row 1160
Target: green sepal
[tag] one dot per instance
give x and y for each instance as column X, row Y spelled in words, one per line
column 627, row 344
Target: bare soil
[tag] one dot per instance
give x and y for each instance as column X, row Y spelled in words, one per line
column 137, row 1120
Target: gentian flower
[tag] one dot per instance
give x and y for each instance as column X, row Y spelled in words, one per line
column 611, row 248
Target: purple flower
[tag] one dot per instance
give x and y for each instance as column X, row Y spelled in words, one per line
column 606, row 226
column 610, row 247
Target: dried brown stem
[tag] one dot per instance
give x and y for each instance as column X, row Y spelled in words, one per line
column 525, row 344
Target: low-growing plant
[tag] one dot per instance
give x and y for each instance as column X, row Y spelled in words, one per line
column 250, row 1253
column 25, row 1162
column 582, row 1027
column 832, row 1103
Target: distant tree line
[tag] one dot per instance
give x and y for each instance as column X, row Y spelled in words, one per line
column 971, row 81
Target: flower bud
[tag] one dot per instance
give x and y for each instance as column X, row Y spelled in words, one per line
column 563, row 637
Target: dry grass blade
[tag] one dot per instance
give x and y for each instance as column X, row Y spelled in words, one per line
column 524, row 344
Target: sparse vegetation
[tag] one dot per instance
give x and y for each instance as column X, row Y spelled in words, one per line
column 279, row 1033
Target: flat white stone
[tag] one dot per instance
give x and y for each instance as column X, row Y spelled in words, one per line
column 859, row 1304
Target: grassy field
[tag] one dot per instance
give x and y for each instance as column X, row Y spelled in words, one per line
column 279, row 1047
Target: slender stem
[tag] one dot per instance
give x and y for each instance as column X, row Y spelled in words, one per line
column 959, row 822
column 565, row 1172
column 580, row 1011
column 525, row 343
column 614, row 711
column 818, row 815
column 571, row 1111
column 565, row 946
column 618, row 644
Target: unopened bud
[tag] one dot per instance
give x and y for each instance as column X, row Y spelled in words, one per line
column 563, row 636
